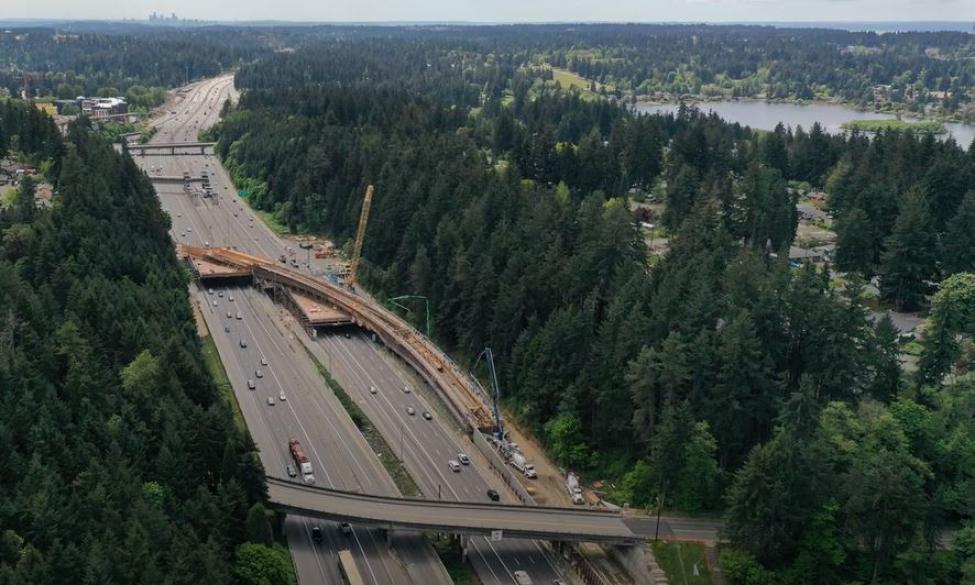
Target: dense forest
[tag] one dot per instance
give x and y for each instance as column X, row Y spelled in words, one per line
column 67, row 64
column 120, row 461
column 923, row 72
column 720, row 377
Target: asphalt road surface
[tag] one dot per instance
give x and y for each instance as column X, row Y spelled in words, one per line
column 340, row 456
column 426, row 446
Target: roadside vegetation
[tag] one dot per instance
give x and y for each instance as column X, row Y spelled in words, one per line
column 219, row 375
column 683, row 562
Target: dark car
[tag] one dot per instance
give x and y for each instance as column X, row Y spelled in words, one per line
column 493, row 495
column 316, row 533
column 346, row 528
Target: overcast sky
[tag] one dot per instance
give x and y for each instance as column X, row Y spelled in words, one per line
column 501, row 10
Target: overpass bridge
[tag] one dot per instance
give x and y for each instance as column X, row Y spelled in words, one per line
column 456, row 388
column 184, row 148
column 463, row 518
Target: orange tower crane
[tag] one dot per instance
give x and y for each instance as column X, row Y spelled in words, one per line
column 360, row 235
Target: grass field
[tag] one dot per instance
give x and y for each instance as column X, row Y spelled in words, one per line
column 219, row 375
column 569, row 79
column 679, row 559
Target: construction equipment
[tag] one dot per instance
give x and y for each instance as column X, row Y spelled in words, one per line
column 488, row 356
column 360, row 235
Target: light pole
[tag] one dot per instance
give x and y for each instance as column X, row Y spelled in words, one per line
column 426, row 301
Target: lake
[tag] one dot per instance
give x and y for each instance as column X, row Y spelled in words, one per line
column 765, row 115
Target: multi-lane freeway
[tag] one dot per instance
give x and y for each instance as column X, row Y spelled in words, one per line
column 341, row 457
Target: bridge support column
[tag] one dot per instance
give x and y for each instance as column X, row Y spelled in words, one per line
column 636, row 561
column 465, row 542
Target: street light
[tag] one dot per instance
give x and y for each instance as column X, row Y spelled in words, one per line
column 426, row 301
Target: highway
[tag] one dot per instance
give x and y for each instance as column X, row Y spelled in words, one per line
column 358, row 364
column 339, row 454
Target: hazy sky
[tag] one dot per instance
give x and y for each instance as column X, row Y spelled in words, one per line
column 501, row 10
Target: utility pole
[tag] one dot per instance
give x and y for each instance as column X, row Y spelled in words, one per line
column 656, row 528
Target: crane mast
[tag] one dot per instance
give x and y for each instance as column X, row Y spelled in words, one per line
column 360, row 235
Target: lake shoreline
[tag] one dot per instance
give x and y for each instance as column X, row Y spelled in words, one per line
column 765, row 115
column 696, row 100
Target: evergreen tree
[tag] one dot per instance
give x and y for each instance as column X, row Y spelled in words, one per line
column 908, row 261
column 855, row 250
column 959, row 241
column 258, row 529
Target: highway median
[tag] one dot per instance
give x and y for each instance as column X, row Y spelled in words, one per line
column 397, row 471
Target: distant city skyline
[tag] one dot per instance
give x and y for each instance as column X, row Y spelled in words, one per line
column 508, row 10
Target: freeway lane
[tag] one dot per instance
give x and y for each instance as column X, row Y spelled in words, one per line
column 359, row 365
column 319, row 425
column 298, row 416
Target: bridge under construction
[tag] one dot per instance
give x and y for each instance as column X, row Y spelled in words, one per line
column 319, row 303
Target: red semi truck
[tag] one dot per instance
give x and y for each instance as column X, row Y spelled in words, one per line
column 298, row 454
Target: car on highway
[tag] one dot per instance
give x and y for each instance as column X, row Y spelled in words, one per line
column 214, row 302
column 259, row 373
column 220, row 294
column 210, row 291
column 270, row 401
column 427, row 415
column 230, row 315
column 231, row 298
column 346, row 528
column 251, row 384
column 226, row 328
column 189, row 229
column 463, row 458
column 292, row 472
column 243, row 343
column 493, row 495
column 281, row 396
column 522, row 578
column 239, row 316
column 454, row 466
column 263, row 361
column 410, row 410
column 316, row 533
column 406, row 390
column 372, row 390
column 347, row 334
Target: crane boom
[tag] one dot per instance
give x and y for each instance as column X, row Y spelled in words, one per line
column 360, row 235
